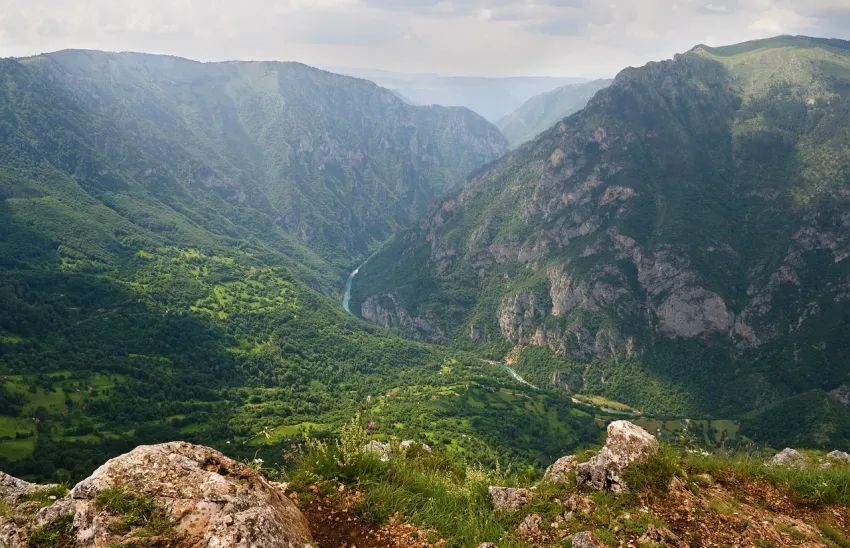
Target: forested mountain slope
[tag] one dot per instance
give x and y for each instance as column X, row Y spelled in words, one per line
column 681, row 244
column 167, row 232
column 543, row 111
column 336, row 162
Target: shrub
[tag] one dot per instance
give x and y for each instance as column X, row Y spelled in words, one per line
column 655, row 474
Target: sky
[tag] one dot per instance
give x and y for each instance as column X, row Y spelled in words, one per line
column 448, row 37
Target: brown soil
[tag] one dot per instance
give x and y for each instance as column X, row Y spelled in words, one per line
column 334, row 524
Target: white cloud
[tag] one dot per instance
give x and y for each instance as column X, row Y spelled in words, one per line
column 448, row 36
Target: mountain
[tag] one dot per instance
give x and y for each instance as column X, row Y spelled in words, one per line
column 680, row 245
column 492, row 98
column 543, row 111
column 335, row 162
column 173, row 238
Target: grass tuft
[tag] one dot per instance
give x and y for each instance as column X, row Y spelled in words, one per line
column 135, row 511
column 59, row 534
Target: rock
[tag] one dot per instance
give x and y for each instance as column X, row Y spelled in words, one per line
column 509, row 498
column 211, row 501
column 531, row 526
column 789, row 457
column 839, row 455
column 626, row 444
column 659, row 536
column 586, row 539
column 487, row 545
column 11, row 488
column 558, row 471
column 410, row 444
column 381, row 450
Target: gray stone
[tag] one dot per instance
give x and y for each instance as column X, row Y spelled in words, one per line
column 509, row 498
column 789, row 457
column 586, row 539
column 558, row 471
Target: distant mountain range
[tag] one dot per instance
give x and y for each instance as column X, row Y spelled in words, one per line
column 492, row 98
column 542, row 111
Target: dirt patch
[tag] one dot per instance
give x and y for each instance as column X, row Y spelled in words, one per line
column 334, row 524
column 734, row 511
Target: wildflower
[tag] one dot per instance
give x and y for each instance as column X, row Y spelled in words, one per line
column 371, row 426
column 259, row 461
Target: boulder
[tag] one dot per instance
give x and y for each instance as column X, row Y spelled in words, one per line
column 627, row 443
column 487, row 545
column 509, row 498
column 531, row 526
column 789, row 457
column 210, row 501
column 380, row 450
column 410, row 444
column 557, row 472
column 586, row 539
column 839, row 455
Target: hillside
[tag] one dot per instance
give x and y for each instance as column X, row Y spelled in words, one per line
column 335, row 162
column 171, row 254
column 543, row 111
column 680, row 245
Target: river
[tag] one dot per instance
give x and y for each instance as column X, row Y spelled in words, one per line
column 346, row 298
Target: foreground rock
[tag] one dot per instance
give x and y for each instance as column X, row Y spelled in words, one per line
column 209, row 500
column 627, row 443
column 558, row 472
column 509, row 498
column 586, row 539
column 789, row 457
column 12, row 489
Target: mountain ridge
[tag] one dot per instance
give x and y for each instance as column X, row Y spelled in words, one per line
column 650, row 233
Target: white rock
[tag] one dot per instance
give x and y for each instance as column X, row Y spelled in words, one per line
column 789, row 457
column 627, row 443
column 558, row 471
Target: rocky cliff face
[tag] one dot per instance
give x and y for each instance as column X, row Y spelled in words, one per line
column 681, row 216
column 174, row 494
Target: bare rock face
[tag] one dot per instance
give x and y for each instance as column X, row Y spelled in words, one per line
column 691, row 312
column 509, row 498
column 210, row 500
column 789, row 457
column 627, row 443
column 586, row 539
column 557, row 472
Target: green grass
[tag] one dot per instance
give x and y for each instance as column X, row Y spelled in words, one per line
column 17, row 449
column 833, row 535
column 136, row 511
column 58, row 534
column 655, row 474
column 46, row 497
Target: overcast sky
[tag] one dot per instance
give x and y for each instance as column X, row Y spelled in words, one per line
column 451, row 37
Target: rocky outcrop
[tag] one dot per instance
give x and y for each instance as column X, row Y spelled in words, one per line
column 388, row 312
column 627, row 443
column 12, row 489
column 560, row 469
column 209, row 500
column 509, row 498
column 513, row 312
column 531, row 526
column 789, row 457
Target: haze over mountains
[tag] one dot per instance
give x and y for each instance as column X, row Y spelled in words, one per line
column 492, row 98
